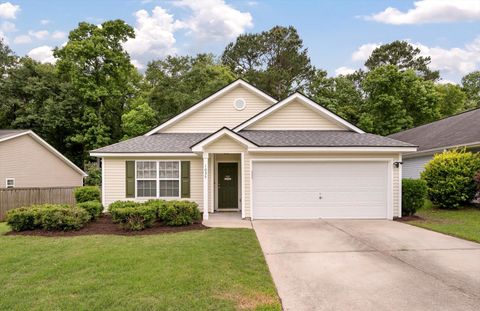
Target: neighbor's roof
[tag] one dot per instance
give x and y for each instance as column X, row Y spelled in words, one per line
column 181, row 142
column 459, row 130
column 8, row 133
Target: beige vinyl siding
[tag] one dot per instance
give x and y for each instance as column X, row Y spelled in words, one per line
column 220, row 113
column 395, row 157
column 114, row 170
column 295, row 116
column 33, row 165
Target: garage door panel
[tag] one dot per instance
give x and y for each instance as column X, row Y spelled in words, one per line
column 292, row 190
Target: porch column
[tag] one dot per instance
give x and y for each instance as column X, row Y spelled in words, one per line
column 205, row 186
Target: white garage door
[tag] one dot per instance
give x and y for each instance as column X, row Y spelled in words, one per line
column 302, row 190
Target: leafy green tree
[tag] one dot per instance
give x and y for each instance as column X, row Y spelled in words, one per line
column 471, row 87
column 8, row 59
column 341, row 94
column 139, row 119
column 397, row 100
column 403, row 55
column 452, row 99
column 274, row 60
column 102, row 80
column 175, row 83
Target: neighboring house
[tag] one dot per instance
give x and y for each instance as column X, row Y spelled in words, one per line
column 461, row 130
column 26, row 160
column 242, row 150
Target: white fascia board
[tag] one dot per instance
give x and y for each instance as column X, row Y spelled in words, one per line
column 13, row 136
column 55, row 152
column 332, row 149
column 140, row 154
column 210, row 99
column 223, row 132
column 304, row 100
column 440, row 149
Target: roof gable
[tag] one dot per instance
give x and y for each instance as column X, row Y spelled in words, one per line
column 304, row 114
column 220, row 134
column 42, row 142
column 204, row 116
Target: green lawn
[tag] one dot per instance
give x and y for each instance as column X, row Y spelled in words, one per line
column 215, row 269
column 463, row 223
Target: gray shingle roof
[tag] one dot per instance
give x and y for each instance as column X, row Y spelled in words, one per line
column 458, row 130
column 161, row 143
column 6, row 133
column 319, row 139
column 181, row 142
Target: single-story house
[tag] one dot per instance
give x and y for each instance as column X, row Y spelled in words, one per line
column 242, row 150
column 458, row 131
column 26, row 160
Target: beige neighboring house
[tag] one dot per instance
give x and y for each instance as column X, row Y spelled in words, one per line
column 242, row 150
column 26, row 160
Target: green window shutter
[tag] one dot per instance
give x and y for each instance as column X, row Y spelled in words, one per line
column 185, row 179
column 130, row 179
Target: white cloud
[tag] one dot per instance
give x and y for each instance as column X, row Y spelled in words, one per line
column 446, row 81
column 153, row 33
column 39, row 34
column 22, row 39
column 214, row 20
column 457, row 60
column 59, row 35
column 344, row 71
column 137, row 64
column 364, row 51
column 430, row 11
column 45, row 22
column 8, row 27
column 43, row 54
column 8, row 10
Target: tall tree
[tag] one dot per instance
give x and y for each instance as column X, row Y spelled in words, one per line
column 341, row 94
column 471, row 87
column 102, row 77
column 403, row 55
column 452, row 99
column 174, row 84
column 397, row 100
column 274, row 60
column 139, row 119
column 8, row 59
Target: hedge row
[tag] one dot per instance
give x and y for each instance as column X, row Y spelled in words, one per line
column 48, row 217
column 138, row 216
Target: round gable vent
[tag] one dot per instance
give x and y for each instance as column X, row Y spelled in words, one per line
column 239, row 103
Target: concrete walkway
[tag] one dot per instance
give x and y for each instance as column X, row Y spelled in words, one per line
column 369, row 265
column 227, row 220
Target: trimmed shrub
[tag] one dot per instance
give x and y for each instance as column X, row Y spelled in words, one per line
column 94, row 208
column 449, row 178
column 123, row 204
column 87, row 193
column 64, row 219
column 414, row 193
column 48, row 217
column 23, row 218
column 159, row 205
column 180, row 213
column 134, row 218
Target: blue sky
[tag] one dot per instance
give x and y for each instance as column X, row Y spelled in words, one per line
column 338, row 34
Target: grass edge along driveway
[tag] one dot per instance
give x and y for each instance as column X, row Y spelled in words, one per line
column 215, row 269
column 462, row 223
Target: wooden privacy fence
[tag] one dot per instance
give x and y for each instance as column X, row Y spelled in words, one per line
column 17, row 197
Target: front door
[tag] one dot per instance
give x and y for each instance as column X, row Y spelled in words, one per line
column 227, row 185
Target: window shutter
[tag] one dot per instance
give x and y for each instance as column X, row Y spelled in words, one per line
column 185, row 179
column 130, row 179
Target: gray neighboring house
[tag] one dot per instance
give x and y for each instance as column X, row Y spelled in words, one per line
column 461, row 130
column 26, row 160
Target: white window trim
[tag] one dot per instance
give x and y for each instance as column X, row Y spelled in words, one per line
column 158, row 179
column 7, row 180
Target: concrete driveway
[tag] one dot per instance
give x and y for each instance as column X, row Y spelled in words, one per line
column 369, row 265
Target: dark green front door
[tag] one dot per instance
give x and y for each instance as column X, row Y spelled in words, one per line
column 227, row 185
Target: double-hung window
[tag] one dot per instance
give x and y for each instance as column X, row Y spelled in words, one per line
column 146, row 178
column 159, row 179
column 10, row 182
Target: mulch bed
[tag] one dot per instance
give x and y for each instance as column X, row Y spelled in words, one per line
column 408, row 218
column 105, row 225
